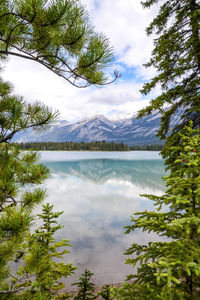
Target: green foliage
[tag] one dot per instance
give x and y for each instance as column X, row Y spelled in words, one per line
column 58, row 35
column 40, row 271
column 176, row 58
column 71, row 146
column 105, row 292
column 86, row 287
column 16, row 115
column 19, row 175
column 133, row 291
column 153, row 147
column 171, row 269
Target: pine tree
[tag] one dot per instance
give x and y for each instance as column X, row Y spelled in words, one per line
column 176, row 58
column 17, row 115
column 105, row 292
column 19, row 175
column 40, row 270
column 86, row 287
column 58, row 35
column 171, row 269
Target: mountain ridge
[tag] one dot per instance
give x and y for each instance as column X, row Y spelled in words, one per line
column 130, row 130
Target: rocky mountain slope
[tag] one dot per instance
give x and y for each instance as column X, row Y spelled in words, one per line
column 130, row 131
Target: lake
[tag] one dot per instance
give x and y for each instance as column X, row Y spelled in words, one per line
column 98, row 192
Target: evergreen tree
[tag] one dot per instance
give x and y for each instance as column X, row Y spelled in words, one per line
column 86, row 287
column 57, row 34
column 39, row 273
column 97, row 146
column 18, row 196
column 17, row 115
column 19, row 173
column 171, row 269
column 176, row 58
column 105, row 292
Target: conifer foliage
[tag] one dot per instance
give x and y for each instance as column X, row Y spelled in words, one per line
column 105, row 292
column 171, row 269
column 176, row 58
column 58, row 35
column 40, row 270
column 86, row 287
column 20, row 172
column 17, row 115
column 18, row 195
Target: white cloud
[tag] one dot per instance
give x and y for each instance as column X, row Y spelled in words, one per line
column 124, row 23
column 93, row 219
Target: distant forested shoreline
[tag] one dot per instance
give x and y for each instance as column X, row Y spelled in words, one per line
column 83, row 146
column 72, row 146
column 151, row 147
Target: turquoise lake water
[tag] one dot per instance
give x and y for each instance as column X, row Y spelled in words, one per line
column 98, row 192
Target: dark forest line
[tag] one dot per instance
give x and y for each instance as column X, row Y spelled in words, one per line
column 83, row 146
column 71, row 146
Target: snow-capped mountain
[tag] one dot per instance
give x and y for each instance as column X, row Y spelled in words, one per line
column 98, row 128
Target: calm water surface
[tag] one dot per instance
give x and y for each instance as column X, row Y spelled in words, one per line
column 98, row 191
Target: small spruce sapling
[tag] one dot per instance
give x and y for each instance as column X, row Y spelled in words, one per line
column 86, row 287
column 41, row 269
column 105, row 292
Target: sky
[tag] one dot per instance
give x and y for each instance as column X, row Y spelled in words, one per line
column 124, row 23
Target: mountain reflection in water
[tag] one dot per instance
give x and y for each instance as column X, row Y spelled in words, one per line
column 101, row 170
column 97, row 197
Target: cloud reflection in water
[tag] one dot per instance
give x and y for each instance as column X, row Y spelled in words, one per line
column 98, row 196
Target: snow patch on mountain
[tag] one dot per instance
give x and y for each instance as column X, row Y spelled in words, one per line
column 129, row 130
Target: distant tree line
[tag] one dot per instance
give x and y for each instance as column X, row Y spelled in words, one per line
column 71, row 146
column 152, row 147
column 57, row 34
column 91, row 146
